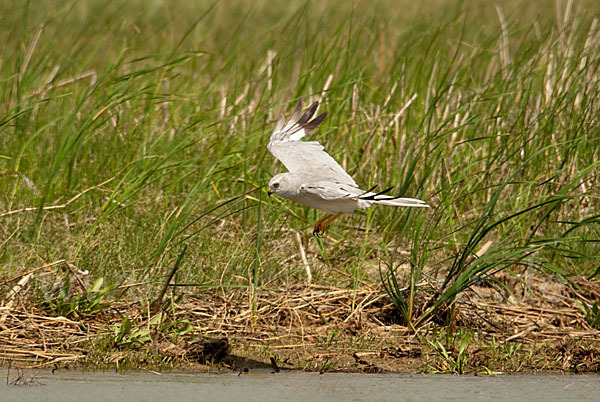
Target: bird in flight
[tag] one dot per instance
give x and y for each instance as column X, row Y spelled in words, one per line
column 314, row 178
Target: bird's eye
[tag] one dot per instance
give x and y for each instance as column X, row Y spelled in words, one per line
column 275, row 185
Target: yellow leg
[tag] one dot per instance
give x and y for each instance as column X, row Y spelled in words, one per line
column 323, row 223
column 317, row 230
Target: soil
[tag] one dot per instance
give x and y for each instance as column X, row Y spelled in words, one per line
column 525, row 325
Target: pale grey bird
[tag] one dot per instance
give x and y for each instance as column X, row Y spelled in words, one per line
column 315, row 179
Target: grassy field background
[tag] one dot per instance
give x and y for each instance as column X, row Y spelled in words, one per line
column 133, row 141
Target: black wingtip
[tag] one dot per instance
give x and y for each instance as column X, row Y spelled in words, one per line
column 368, row 191
column 314, row 123
column 308, row 114
column 372, row 197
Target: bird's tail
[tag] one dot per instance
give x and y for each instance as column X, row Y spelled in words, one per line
column 401, row 202
column 384, row 199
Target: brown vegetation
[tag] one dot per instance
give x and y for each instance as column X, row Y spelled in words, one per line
column 532, row 324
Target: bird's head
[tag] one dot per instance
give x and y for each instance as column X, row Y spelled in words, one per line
column 282, row 185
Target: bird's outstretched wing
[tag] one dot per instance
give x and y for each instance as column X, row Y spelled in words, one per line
column 333, row 191
column 308, row 157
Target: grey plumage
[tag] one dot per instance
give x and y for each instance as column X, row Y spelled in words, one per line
column 314, row 178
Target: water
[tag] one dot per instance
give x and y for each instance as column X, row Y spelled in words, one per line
column 296, row 386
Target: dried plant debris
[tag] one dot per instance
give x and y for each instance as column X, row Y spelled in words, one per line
column 314, row 328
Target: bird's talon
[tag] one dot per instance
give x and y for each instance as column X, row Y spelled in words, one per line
column 318, row 230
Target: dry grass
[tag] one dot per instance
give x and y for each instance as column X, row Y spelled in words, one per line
column 316, row 328
column 133, row 153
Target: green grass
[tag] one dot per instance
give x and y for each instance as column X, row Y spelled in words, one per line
column 131, row 130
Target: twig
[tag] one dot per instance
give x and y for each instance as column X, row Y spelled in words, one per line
column 14, row 278
column 10, row 296
column 68, row 81
column 64, row 205
column 11, row 235
column 13, row 292
column 30, row 51
column 521, row 334
column 303, row 256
